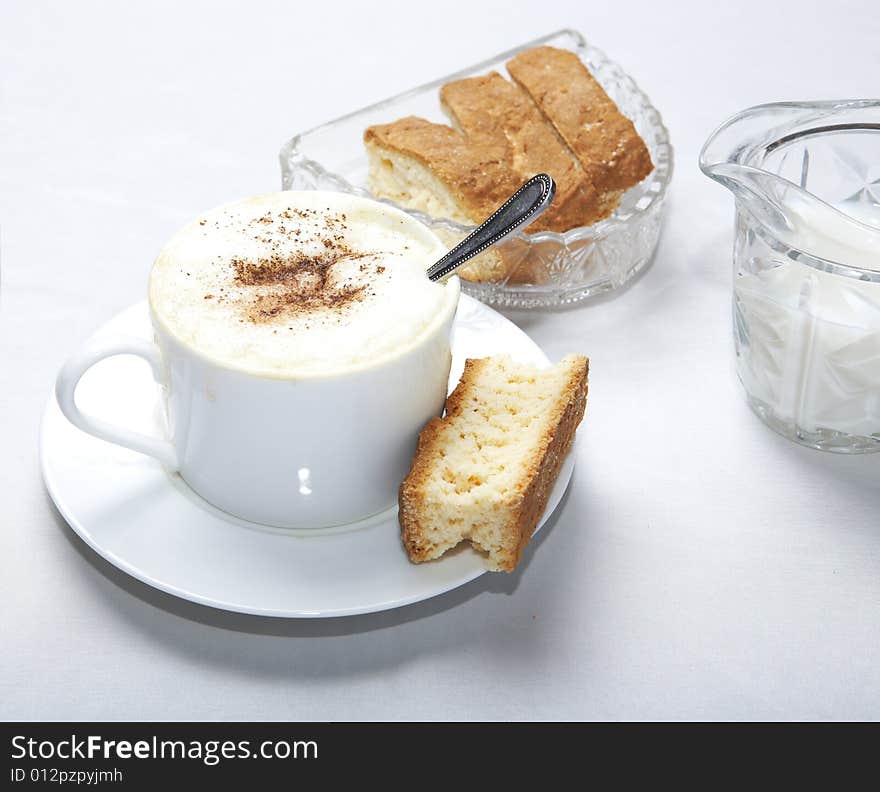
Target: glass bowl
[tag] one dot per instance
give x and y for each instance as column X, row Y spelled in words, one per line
column 559, row 269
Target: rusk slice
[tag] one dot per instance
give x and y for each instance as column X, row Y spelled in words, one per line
column 437, row 170
column 475, row 178
column 604, row 140
column 492, row 111
column 484, row 471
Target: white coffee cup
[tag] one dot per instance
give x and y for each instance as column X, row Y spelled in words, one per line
column 287, row 449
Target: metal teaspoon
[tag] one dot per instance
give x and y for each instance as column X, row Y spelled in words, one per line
column 520, row 209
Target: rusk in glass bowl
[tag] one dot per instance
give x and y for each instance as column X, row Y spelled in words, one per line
column 544, row 269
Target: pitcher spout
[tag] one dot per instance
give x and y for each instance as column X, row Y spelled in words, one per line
column 776, row 160
column 766, row 197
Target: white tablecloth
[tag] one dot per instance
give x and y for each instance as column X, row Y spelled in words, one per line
column 702, row 566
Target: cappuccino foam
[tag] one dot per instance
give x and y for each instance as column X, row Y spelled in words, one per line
column 300, row 284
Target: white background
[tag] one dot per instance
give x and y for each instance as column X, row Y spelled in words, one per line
column 701, row 567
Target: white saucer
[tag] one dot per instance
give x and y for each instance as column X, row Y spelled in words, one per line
column 151, row 525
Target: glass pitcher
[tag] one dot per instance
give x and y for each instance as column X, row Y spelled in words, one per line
column 806, row 259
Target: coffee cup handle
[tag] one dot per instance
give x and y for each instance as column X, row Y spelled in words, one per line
column 82, row 361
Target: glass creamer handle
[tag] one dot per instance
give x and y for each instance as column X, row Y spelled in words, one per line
column 82, row 361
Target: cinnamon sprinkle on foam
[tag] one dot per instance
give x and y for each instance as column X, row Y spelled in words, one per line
column 289, row 284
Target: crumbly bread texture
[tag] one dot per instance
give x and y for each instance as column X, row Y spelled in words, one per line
column 492, row 111
column 554, row 118
column 476, row 178
column 435, row 169
column 484, row 471
column 604, row 140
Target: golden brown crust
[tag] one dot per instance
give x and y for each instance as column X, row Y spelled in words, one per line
column 478, row 176
column 492, row 111
column 518, row 516
column 568, row 413
column 603, row 139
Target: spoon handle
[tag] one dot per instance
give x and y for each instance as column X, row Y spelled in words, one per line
column 520, row 209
